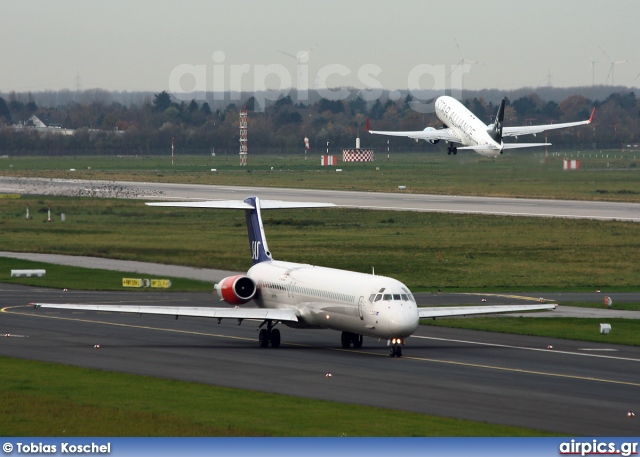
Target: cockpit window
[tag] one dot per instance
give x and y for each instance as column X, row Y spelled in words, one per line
column 396, row 296
column 378, row 297
column 388, row 297
column 372, row 297
column 405, row 297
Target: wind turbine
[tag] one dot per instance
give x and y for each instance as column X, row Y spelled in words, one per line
column 302, row 57
column 461, row 63
column 612, row 67
column 592, row 69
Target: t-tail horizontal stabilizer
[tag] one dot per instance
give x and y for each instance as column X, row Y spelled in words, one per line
column 252, row 206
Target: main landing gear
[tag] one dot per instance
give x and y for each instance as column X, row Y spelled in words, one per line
column 451, row 149
column 347, row 339
column 269, row 335
column 396, row 347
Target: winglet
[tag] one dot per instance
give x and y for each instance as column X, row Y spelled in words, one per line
column 592, row 114
column 367, row 124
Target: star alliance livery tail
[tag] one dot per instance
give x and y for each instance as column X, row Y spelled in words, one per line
column 495, row 131
column 252, row 206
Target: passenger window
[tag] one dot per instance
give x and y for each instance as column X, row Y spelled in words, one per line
column 388, row 297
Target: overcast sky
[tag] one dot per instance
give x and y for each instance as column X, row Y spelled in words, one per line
column 157, row 45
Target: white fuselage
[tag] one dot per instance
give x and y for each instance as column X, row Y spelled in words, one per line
column 341, row 300
column 471, row 130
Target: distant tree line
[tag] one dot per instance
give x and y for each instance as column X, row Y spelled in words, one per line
column 148, row 126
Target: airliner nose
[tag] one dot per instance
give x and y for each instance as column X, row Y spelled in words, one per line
column 404, row 320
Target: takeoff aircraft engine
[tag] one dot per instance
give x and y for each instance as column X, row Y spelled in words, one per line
column 428, row 129
column 236, row 290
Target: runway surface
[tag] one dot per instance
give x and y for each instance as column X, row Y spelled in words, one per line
column 371, row 200
column 574, row 388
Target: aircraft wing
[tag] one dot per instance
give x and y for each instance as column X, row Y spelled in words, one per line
column 448, row 311
column 288, row 315
column 427, row 134
column 490, row 149
column 533, row 129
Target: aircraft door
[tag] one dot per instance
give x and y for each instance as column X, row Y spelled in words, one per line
column 362, row 304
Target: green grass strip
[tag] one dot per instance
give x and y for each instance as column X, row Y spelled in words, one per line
column 623, row 331
column 45, row 399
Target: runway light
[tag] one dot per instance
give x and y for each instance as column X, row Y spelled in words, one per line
column 484, row 300
column 549, row 347
column 97, row 346
column 328, row 375
column 631, row 414
column 7, row 335
column 327, row 316
column 64, row 290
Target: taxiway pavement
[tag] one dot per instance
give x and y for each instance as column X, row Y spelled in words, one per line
column 570, row 387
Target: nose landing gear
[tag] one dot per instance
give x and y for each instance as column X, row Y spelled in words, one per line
column 396, row 347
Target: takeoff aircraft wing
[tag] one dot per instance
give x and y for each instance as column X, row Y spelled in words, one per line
column 489, row 148
column 428, row 134
column 448, row 311
column 288, row 315
column 533, row 129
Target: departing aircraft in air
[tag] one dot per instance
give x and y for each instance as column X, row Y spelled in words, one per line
column 307, row 296
column 463, row 127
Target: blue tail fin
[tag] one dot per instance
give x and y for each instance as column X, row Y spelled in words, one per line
column 257, row 239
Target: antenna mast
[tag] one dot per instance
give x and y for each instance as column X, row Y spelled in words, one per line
column 243, row 137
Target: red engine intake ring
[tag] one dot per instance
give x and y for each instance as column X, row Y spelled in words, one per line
column 236, row 290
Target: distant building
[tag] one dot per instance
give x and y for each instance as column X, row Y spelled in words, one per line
column 34, row 123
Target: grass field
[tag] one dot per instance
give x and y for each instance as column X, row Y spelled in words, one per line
column 43, row 399
column 74, row 278
column 612, row 176
column 624, row 331
column 426, row 251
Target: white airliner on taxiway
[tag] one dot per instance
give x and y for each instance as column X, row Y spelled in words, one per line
column 463, row 127
column 306, row 296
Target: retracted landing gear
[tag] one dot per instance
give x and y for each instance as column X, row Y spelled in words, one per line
column 269, row 335
column 396, row 347
column 347, row 339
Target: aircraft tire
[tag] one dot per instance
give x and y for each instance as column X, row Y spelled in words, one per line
column 275, row 338
column 357, row 341
column 346, row 339
column 263, row 338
